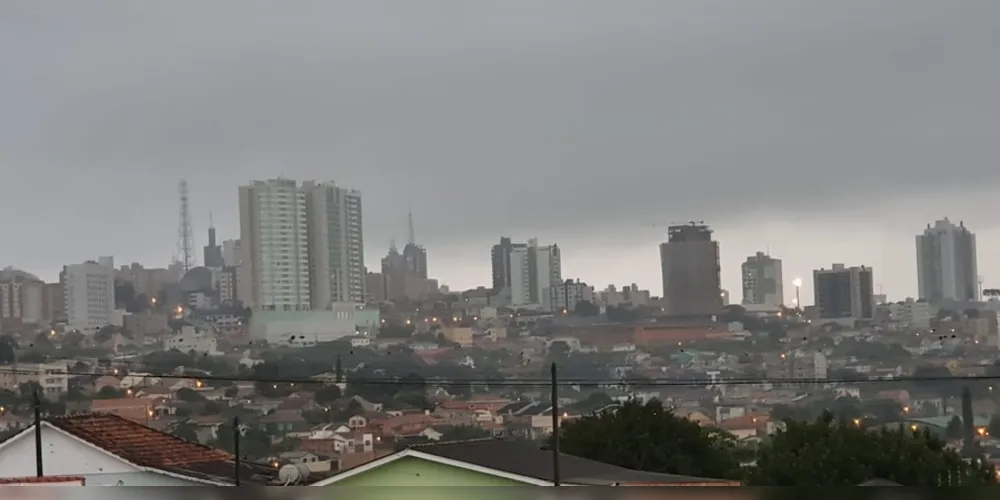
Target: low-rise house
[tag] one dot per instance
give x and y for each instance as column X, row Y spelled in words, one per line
column 282, row 422
column 316, row 463
column 140, row 410
column 747, row 426
column 108, row 450
column 493, row 462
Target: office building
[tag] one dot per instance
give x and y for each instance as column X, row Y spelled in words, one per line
column 89, row 294
column 946, row 263
column 336, row 244
column 275, row 246
column 844, row 293
column 689, row 263
column 21, row 297
column 762, row 280
column 415, row 255
column 213, row 252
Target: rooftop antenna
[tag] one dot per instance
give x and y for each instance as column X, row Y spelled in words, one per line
column 185, row 236
column 412, row 233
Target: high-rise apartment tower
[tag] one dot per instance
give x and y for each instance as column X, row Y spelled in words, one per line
column 946, row 263
column 689, row 262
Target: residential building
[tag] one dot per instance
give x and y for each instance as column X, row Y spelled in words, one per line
column 275, row 246
column 946, row 263
column 566, row 295
column 89, row 294
column 911, row 313
column 149, row 282
column 193, row 339
column 229, row 285
column 628, row 295
column 51, row 377
column 53, row 302
column 304, row 328
column 844, row 293
column 108, row 450
column 762, row 282
column 213, row 252
column 689, row 262
column 21, row 297
column 494, row 462
column 526, row 270
column 336, row 244
column 231, row 252
column 375, row 287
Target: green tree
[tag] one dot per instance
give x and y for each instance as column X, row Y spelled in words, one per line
column 254, row 443
column 994, row 427
column 8, row 349
column 327, row 395
column 649, row 437
column 954, row 429
column 184, row 429
column 108, row 392
column 586, row 309
column 189, row 395
column 72, row 340
column 827, row 452
column 394, row 330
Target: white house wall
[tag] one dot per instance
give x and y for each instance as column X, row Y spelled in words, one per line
column 66, row 456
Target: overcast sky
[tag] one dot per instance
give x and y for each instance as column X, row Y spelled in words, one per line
column 826, row 131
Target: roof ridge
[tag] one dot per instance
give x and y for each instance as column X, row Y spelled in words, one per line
column 456, row 441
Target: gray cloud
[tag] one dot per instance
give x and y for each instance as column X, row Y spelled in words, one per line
column 561, row 119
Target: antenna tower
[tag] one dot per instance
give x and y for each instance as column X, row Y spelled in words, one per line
column 185, row 236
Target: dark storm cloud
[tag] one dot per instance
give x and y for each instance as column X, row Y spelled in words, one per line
column 500, row 117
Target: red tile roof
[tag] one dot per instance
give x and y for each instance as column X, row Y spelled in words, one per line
column 137, row 443
column 43, row 480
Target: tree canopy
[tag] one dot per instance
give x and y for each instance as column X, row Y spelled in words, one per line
column 651, row 438
column 827, row 452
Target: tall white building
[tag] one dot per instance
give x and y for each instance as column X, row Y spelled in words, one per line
column 946, row 263
column 533, row 270
column 762, row 280
column 336, row 244
column 231, row 253
column 274, row 246
column 89, row 293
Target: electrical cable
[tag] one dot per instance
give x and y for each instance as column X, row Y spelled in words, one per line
column 541, row 383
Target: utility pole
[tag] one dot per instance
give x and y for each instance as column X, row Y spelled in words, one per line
column 555, row 427
column 39, row 471
column 236, row 450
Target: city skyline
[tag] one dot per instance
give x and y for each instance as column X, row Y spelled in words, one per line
column 597, row 161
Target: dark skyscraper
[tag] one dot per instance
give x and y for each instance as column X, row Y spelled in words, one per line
column 500, row 256
column 844, row 292
column 689, row 262
column 415, row 255
column 213, row 251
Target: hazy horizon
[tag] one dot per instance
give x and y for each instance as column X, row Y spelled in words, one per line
column 822, row 132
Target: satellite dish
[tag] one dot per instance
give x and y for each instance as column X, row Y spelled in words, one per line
column 293, row 473
column 289, row 474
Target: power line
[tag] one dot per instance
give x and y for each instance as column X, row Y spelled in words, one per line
column 544, row 383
